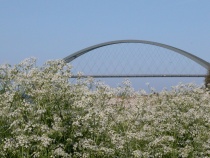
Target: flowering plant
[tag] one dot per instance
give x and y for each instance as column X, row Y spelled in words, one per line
column 44, row 115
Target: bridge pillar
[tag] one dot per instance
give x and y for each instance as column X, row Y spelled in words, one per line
column 207, row 80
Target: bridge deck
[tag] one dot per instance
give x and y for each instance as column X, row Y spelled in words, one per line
column 139, row 75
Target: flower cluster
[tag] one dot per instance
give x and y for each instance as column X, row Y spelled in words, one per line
column 44, row 115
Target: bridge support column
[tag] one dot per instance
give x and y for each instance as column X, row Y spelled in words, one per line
column 207, row 80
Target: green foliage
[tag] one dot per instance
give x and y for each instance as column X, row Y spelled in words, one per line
column 44, row 115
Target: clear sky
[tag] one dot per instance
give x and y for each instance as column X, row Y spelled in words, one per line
column 53, row 29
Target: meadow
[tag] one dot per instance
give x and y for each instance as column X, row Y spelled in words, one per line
column 44, row 115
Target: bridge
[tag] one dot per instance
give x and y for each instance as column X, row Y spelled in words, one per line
column 166, row 61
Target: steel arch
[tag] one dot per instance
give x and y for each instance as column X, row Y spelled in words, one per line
column 198, row 60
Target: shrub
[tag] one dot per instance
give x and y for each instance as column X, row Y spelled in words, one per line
column 44, row 115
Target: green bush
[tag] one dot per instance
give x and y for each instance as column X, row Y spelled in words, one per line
column 44, row 115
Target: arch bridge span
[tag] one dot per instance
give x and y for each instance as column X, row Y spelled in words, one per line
column 190, row 56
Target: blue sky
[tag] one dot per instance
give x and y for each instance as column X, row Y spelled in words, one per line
column 53, row 29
